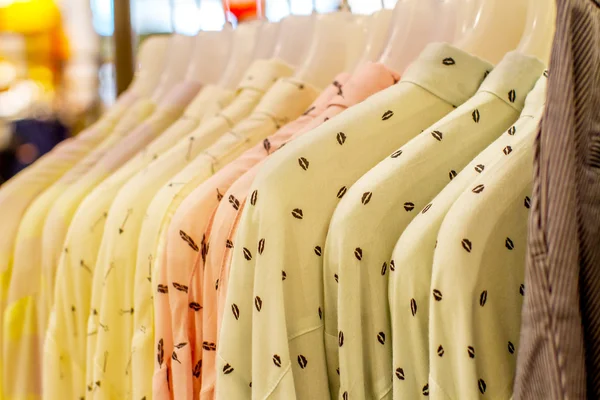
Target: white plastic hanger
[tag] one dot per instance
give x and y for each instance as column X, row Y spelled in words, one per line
column 149, row 64
column 490, row 28
column 539, row 29
column 377, row 30
column 415, row 24
column 179, row 52
column 294, row 38
column 245, row 37
column 210, row 56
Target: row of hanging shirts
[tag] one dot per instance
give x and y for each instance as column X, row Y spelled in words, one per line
column 175, row 250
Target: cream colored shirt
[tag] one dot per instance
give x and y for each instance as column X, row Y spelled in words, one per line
column 272, row 337
column 376, row 209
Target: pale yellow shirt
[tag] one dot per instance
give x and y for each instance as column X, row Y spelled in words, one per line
column 66, row 353
column 271, row 338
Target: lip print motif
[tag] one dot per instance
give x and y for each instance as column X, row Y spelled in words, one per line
column 400, row 373
column 483, row 298
column 471, row 352
column 545, row 73
column 383, row 268
column 427, row 207
column 267, row 145
column 437, row 135
column 413, row 307
column 486, row 74
column 392, row 265
column 381, row 337
column 247, row 254
column 186, row 238
column 261, row 246
column 217, row 284
column 219, row 195
column 341, row 138
column 308, row 111
column 235, row 203
column 479, row 168
column 297, row 213
column 320, row 313
column 162, row 289
column 197, row 369
column 512, row 95
column 437, row 295
column 408, row 206
column 180, row 345
column 318, row 250
column 229, row 244
column 236, row 311
column 227, row 369
column 467, row 245
column 180, row 287
column 341, row 192
column 509, row 244
column 440, row 351
column 511, row 347
column 336, row 277
column 195, row 306
column 338, row 371
column 258, row 303
column 478, row 189
column 452, row 174
column 302, row 361
column 358, row 253
column 387, row 115
column 205, row 246
column 522, row 290
column 396, row 154
column 448, row 61
column 209, row 346
column 425, row 390
column 476, row 116
column 345, row 396
column 340, row 338
column 512, row 130
column 339, row 88
column 507, row 150
column 160, row 352
column 277, row 360
column 283, row 276
column 482, row 386
column 254, row 197
column 527, row 202
column 366, row 198
column 303, row 163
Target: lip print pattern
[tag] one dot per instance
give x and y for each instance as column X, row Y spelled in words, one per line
column 267, row 145
column 303, row 163
column 483, row 298
column 209, row 346
column 229, row 244
column 479, row 168
column 392, row 265
column 482, row 386
column 345, row 396
column 396, row 154
column 339, row 88
column 452, row 174
column 227, row 369
column 527, row 202
column 383, row 268
column 341, row 138
column 486, row 74
column 476, row 116
column 522, row 289
column 302, row 361
column 186, row 238
column 309, row 110
column 180, row 345
column 512, row 130
column 219, row 195
column 180, row 287
column 440, row 351
column 545, row 73
column 197, row 369
column 277, row 360
column 162, row 288
column 341, row 192
column 408, row 206
column 340, row 338
column 320, row 313
column 205, row 245
column 254, row 197
column 381, row 337
column 160, row 352
column 413, row 307
column 437, row 295
column 507, row 150
column 247, row 254
column 297, row 213
column 283, row 275
column 236, row 311
column 467, row 245
column 235, row 203
column 471, row 352
column 195, row 306
column 358, row 253
column 400, row 373
column 478, row 189
column 217, row 284
column 366, row 198
column 318, row 250
column 512, row 95
column 437, row 135
column 336, row 277
column 511, row 347
column 337, row 370
column 425, row 390
column 258, row 303
column 261, row 246
column 387, row 115
column 448, row 61
column 509, row 244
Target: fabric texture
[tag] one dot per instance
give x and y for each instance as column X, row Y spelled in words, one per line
column 559, row 353
column 375, row 210
column 411, row 264
column 271, row 341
